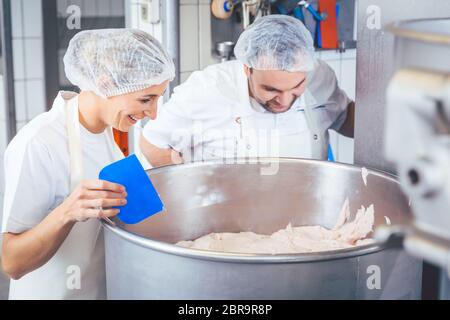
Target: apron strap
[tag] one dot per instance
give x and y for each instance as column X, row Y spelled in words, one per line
column 74, row 143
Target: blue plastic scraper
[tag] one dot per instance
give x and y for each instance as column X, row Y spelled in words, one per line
column 142, row 201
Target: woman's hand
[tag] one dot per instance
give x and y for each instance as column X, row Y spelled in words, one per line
column 93, row 199
column 27, row 251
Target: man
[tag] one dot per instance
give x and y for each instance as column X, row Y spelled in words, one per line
column 275, row 100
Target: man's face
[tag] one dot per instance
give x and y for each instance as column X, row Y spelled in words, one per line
column 275, row 90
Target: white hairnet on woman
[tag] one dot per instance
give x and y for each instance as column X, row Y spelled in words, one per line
column 276, row 42
column 54, row 162
column 116, row 61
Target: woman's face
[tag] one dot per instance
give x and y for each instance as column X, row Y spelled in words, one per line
column 125, row 110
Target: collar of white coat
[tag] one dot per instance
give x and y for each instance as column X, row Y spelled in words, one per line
column 307, row 99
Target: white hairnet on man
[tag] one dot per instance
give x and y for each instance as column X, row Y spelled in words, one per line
column 116, row 61
column 276, row 100
column 276, row 42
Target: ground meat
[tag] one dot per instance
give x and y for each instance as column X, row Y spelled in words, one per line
column 302, row 239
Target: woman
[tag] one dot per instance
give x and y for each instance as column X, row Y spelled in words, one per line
column 52, row 240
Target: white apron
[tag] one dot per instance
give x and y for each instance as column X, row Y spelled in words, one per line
column 82, row 252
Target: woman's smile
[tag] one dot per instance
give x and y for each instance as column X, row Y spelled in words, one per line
column 133, row 119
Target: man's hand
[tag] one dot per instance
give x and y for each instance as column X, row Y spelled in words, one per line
column 158, row 157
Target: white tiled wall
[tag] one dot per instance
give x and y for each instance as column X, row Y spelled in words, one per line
column 2, row 121
column 195, row 32
column 204, row 27
column 3, row 128
column 21, row 100
column 4, row 282
column 31, row 18
column 35, row 91
column 19, row 57
column 28, row 57
column 189, row 38
column 134, row 18
column 195, row 36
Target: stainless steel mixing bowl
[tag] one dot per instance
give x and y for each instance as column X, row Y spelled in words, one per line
column 200, row 198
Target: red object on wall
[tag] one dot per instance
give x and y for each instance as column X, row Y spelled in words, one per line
column 328, row 27
column 121, row 139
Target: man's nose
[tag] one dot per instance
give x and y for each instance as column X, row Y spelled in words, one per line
column 285, row 98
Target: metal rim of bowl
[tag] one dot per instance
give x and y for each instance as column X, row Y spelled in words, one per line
column 400, row 29
column 251, row 258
